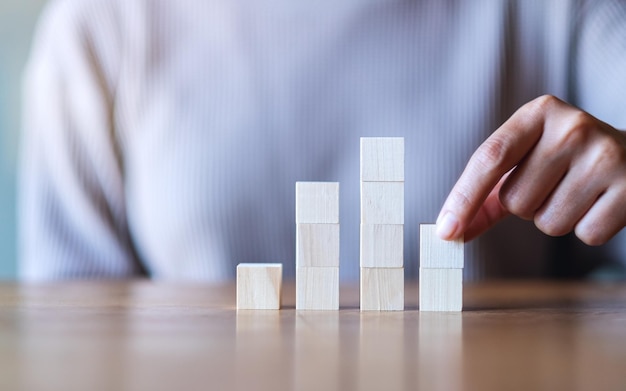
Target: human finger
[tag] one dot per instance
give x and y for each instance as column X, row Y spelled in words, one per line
column 502, row 151
column 604, row 219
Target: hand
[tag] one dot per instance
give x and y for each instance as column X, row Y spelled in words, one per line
column 551, row 163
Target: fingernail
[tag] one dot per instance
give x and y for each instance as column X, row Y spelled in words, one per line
column 447, row 226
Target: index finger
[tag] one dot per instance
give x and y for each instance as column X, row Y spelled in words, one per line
column 497, row 155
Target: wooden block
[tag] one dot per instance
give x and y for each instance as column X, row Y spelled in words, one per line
column 317, row 202
column 382, row 245
column 382, row 202
column 382, row 159
column 317, row 245
column 441, row 289
column 317, row 288
column 382, row 289
column 259, row 286
column 436, row 253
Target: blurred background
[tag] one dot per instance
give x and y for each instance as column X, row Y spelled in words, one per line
column 17, row 21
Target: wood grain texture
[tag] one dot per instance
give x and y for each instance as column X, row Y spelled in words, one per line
column 441, row 290
column 382, row 202
column 317, row 288
column 137, row 335
column 382, row 289
column 436, row 253
column 378, row 339
column 382, row 159
column 317, row 202
column 382, row 245
column 259, row 286
column 441, row 350
column 317, row 245
column 317, row 360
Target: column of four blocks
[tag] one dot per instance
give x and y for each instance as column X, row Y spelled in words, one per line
column 382, row 223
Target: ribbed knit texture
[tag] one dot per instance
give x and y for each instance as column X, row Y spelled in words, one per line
column 165, row 137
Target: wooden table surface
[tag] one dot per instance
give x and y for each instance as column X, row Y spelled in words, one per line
column 142, row 335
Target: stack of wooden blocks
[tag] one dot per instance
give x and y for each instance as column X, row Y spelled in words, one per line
column 382, row 224
column 317, row 245
column 382, row 246
column 441, row 272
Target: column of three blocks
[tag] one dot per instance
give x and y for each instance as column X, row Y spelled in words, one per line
column 317, row 245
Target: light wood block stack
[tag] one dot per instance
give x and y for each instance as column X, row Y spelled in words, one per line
column 381, row 251
column 317, row 245
column 382, row 224
column 441, row 272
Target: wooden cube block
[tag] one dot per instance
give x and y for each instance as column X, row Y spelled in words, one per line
column 317, row 288
column 382, row 245
column 436, row 253
column 382, row 202
column 317, row 245
column 441, row 289
column 382, row 289
column 317, row 202
column 259, row 286
column 382, row 159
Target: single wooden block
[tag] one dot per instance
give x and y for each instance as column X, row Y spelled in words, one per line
column 382, row 245
column 317, row 245
column 259, row 286
column 317, row 202
column 382, row 202
column 382, row 289
column 382, row 159
column 436, row 253
column 317, row 288
column 441, row 289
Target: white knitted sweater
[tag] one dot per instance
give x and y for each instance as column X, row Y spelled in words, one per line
column 165, row 137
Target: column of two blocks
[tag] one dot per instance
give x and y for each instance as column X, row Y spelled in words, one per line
column 441, row 271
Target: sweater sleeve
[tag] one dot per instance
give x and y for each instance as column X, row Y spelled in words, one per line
column 600, row 76
column 600, row 58
column 71, row 205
